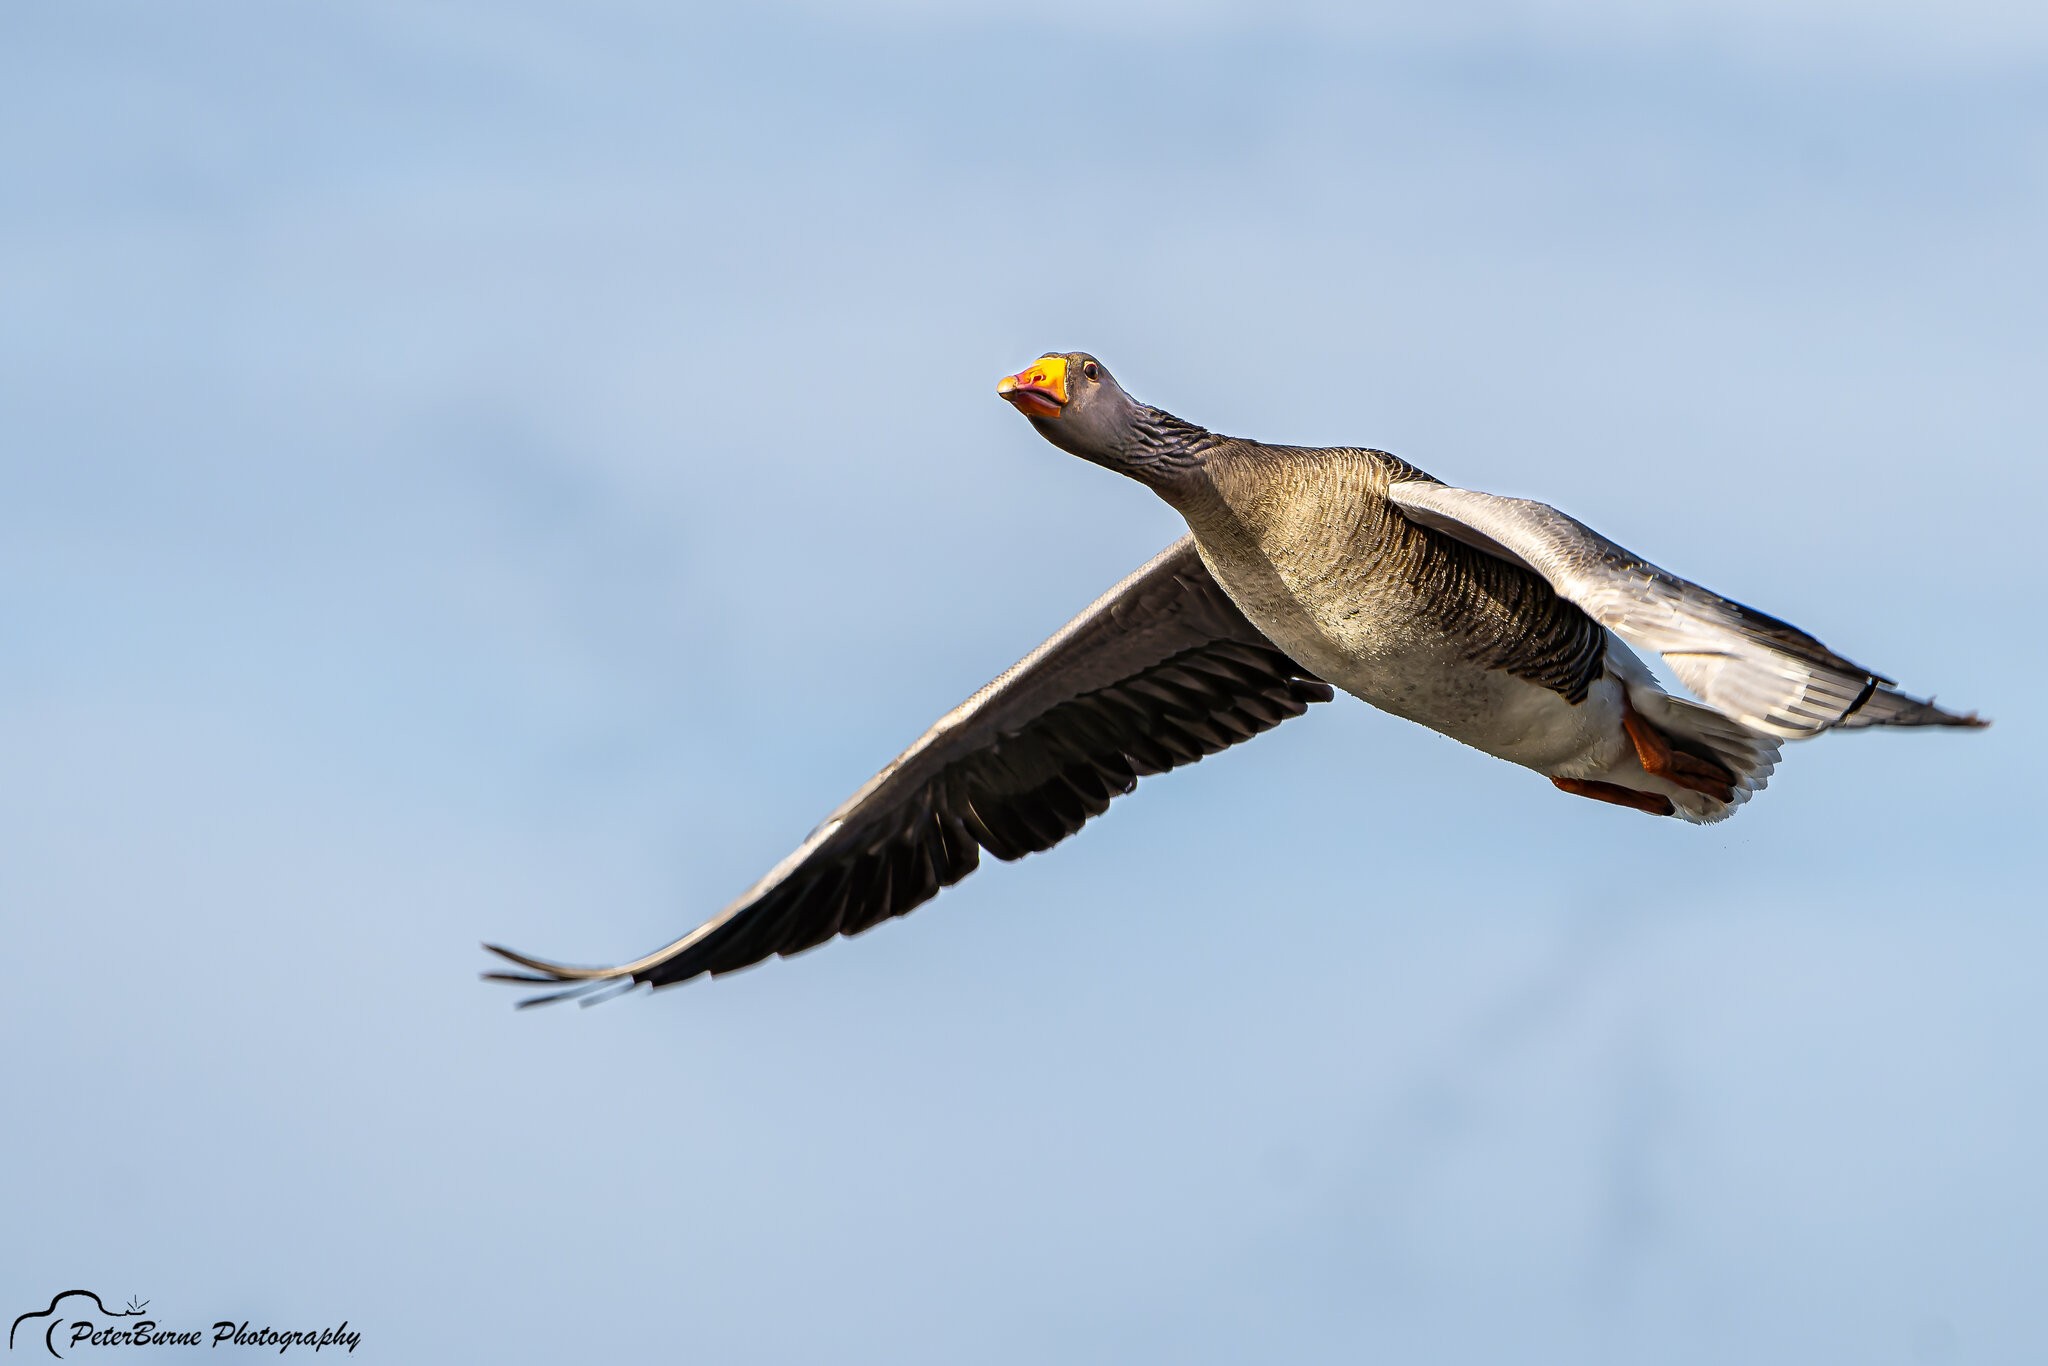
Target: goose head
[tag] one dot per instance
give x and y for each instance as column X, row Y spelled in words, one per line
column 1075, row 403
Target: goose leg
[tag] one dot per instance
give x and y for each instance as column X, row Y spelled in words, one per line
column 1655, row 751
column 1656, row 803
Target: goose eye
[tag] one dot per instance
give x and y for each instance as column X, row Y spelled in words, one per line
column 1089, row 370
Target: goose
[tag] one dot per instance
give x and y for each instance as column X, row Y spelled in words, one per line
column 1500, row 622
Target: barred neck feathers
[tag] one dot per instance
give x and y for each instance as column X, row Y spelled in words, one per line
column 1161, row 449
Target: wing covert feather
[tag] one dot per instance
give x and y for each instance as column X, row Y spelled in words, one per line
column 1765, row 673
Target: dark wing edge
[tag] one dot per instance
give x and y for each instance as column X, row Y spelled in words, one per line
column 1160, row 671
column 1766, row 674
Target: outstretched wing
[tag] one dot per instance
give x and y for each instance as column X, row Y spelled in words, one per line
column 1158, row 672
column 1765, row 673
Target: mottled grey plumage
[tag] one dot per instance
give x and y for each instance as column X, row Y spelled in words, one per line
column 1497, row 621
column 1321, row 518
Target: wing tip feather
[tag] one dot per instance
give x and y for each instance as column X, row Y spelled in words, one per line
column 583, row 982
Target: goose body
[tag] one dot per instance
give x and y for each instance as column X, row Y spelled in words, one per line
column 1500, row 622
column 1331, row 573
column 1310, row 546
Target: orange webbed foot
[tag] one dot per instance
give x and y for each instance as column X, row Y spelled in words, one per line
column 1656, row 803
column 1658, row 757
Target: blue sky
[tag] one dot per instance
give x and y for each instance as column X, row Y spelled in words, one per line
column 505, row 471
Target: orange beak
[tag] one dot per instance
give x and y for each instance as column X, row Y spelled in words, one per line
column 1039, row 389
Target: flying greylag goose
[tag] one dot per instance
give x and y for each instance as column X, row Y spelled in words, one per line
column 1498, row 621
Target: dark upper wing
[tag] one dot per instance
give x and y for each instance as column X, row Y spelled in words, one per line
column 1158, row 672
column 1767, row 674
